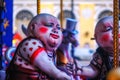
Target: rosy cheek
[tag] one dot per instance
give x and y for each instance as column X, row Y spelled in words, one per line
column 105, row 38
column 43, row 29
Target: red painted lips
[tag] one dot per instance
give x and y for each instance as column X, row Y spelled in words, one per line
column 54, row 36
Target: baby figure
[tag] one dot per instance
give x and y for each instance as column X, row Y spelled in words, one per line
column 102, row 61
column 35, row 57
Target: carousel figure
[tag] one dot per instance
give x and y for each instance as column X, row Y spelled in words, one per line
column 35, row 56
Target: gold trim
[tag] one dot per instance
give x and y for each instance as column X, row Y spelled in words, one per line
column 38, row 6
column 61, row 14
column 115, row 32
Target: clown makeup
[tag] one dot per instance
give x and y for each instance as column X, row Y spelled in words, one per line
column 51, row 25
column 43, row 29
column 104, row 34
column 105, row 38
column 48, row 31
column 107, row 30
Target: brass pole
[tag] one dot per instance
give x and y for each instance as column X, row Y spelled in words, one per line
column 115, row 32
column 61, row 13
column 38, row 6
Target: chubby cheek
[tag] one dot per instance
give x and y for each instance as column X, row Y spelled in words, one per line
column 105, row 38
column 43, row 29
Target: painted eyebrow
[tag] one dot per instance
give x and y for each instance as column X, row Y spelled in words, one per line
column 49, row 24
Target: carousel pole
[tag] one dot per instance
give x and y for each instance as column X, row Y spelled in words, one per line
column 61, row 14
column 38, row 6
column 115, row 32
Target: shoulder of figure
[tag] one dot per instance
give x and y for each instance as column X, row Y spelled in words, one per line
column 30, row 48
column 31, row 41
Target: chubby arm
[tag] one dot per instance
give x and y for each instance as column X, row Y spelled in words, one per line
column 93, row 69
column 33, row 50
column 46, row 65
column 87, row 71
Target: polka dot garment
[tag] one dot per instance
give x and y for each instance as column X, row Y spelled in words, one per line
column 26, row 51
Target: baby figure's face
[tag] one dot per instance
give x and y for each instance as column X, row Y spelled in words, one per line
column 104, row 34
column 47, row 29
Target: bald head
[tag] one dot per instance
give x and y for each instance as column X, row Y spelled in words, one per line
column 42, row 18
column 46, row 28
column 104, row 33
column 103, row 23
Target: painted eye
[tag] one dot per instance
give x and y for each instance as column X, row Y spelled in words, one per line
column 59, row 28
column 49, row 25
column 108, row 28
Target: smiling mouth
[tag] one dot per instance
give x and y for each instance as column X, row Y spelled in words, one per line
column 54, row 36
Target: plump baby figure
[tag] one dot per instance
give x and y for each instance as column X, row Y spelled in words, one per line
column 102, row 61
column 35, row 56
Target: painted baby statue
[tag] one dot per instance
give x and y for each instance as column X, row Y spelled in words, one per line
column 35, row 56
column 102, row 61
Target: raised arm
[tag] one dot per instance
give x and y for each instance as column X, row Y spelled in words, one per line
column 43, row 62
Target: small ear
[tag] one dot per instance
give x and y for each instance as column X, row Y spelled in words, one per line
column 33, row 26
